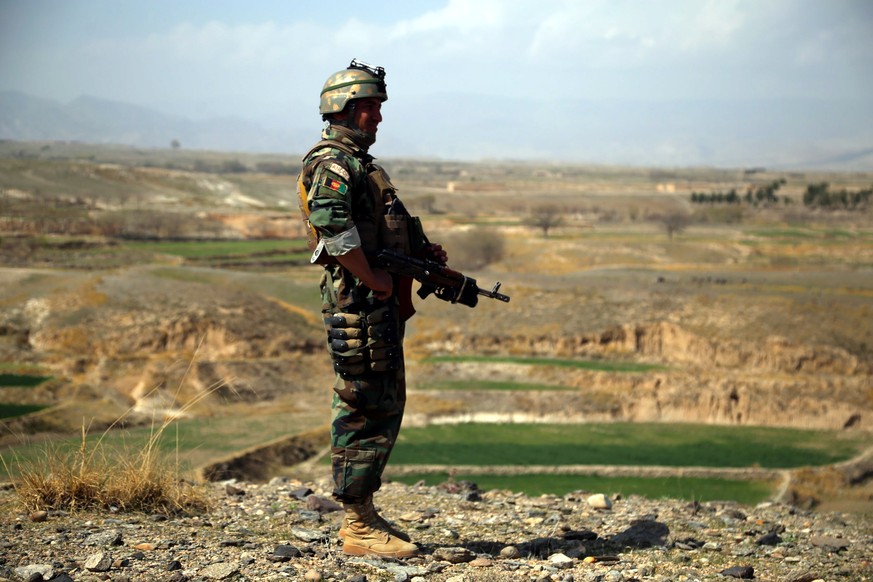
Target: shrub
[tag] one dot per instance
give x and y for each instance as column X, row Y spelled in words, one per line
column 475, row 249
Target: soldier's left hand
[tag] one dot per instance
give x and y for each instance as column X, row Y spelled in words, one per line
column 438, row 253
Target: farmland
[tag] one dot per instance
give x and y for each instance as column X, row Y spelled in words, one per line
column 146, row 284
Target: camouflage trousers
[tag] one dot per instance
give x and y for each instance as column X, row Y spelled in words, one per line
column 362, row 437
column 368, row 400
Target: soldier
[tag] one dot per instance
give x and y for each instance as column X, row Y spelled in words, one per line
column 351, row 210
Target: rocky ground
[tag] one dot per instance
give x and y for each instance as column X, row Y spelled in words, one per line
column 287, row 530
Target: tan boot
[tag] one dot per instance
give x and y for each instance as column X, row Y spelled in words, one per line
column 383, row 524
column 364, row 535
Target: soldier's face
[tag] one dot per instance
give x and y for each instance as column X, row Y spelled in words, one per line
column 368, row 115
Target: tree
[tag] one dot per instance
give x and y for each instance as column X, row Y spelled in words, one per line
column 545, row 217
column 675, row 223
column 175, row 144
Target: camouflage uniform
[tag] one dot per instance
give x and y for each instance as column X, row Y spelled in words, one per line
column 351, row 201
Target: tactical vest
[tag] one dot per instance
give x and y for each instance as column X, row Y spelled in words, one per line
column 389, row 225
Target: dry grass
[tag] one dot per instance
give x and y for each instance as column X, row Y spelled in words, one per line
column 95, row 476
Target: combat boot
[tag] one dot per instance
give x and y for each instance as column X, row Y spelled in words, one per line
column 364, row 535
column 382, row 523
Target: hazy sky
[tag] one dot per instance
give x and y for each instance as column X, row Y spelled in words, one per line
column 267, row 60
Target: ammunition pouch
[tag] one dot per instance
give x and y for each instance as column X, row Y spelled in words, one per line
column 360, row 343
column 396, row 228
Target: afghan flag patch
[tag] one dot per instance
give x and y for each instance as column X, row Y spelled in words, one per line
column 335, row 185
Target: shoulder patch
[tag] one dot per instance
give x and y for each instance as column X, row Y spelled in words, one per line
column 338, row 169
column 335, row 185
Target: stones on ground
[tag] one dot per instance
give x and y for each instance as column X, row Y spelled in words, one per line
column 309, row 535
column 688, row 544
column 104, row 539
column 233, row 491
column 454, row 555
column 599, row 501
column 322, row 504
column 312, row 576
column 829, row 543
column 39, row 516
column 219, row 571
column 400, row 571
column 99, row 562
column 561, row 561
column 120, row 563
column 45, row 571
column 535, row 531
column 744, row 550
column 300, row 493
column 769, row 539
column 145, row 547
column 742, row 572
column 643, row 533
column 284, row 553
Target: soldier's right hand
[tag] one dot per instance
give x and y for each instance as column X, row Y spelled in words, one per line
column 380, row 283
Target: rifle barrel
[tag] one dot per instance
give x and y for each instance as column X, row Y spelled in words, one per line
column 493, row 294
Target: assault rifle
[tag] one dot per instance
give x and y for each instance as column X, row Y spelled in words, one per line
column 447, row 284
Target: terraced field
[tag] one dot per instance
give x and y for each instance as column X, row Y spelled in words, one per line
column 142, row 281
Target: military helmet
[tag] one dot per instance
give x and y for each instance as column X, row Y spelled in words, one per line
column 358, row 81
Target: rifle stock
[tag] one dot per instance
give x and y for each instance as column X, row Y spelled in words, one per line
column 447, row 284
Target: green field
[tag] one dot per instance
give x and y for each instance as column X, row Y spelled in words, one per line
column 690, row 488
column 219, row 248
column 673, row 445
column 12, row 410
column 594, row 365
column 22, row 380
column 227, row 253
column 485, row 385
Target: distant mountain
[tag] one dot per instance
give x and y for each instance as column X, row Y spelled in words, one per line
column 94, row 120
column 777, row 134
column 773, row 133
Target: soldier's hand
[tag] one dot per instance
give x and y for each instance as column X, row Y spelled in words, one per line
column 381, row 284
column 377, row 280
column 438, row 253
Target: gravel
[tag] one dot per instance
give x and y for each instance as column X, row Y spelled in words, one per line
column 274, row 532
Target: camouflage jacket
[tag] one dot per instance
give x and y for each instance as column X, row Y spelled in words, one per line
column 352, row 203
column 338, row 195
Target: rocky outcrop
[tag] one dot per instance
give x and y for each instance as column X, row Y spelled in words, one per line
column 773, row 383
column 662, row 342
column 674, row 344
